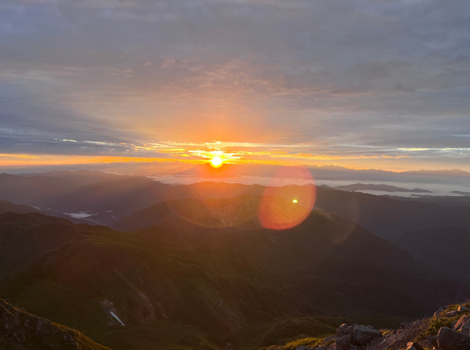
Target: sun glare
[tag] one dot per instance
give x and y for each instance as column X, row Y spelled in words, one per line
column 216, row 162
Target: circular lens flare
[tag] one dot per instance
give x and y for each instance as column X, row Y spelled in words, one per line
column 216, row 162
column 285, row 206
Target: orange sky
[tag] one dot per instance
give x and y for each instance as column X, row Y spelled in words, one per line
column 260, row 82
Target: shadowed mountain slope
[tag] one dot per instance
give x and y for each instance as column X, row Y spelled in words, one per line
column 25, row 238
column 323, row 235
column 388, row 217
column 108, row 198
column 9, row 207
column 385, row 217
column 445, row 201
column 443, row 249
column 21, row 331
column 210, row 283
column 104, row 197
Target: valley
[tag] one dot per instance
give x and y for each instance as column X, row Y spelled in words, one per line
column 198, row 269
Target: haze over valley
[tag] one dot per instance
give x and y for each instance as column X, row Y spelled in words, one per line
column 234, row 175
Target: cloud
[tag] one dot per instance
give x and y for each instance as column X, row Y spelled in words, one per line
column 383, row 76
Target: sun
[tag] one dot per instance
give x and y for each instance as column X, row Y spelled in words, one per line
column 216, row 162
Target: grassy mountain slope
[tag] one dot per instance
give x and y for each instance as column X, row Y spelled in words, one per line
column 21, row 330
column 381, row 215
column 443, row 249
column 25, row 238
column 199, row 287
column 9, row 207
column 388, row 217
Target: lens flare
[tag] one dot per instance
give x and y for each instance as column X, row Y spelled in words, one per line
column 216, row 162
column 278, row 210
column 213, row 205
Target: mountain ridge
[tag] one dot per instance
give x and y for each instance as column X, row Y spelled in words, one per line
column 21, row 331
column 215, row 283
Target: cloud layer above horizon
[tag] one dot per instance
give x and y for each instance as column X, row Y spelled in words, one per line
column 359, row 83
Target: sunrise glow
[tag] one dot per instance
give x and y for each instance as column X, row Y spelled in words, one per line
column 216, row 161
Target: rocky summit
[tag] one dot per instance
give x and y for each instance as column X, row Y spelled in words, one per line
column 439, row 332
column 22, row 331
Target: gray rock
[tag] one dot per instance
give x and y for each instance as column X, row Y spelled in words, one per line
column 404, row 325
column 436, row 314
column 448, row 339
column 363, row 335
column 330, row 338
column 343, row 343
column 451, row 313
column 344, row 329
column 463, row 308
column 414, row 346
column 463, row 325
column 433, row 340
column 302, row 347
column 22, row 331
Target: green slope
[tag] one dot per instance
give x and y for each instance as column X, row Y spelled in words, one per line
column 200, row 288
column 21, row 330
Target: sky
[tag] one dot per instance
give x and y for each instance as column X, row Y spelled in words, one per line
column 381, row 84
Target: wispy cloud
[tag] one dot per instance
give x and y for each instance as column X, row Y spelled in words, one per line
column 352, row 82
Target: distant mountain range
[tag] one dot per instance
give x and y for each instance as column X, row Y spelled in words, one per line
column 383, row 188
column 193, row 267
column 108, row 198
column 442, row 201
column 463, row 193
column 334, row 173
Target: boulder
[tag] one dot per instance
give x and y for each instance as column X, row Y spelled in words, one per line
column 451, row 313
column 414, row 346
column 344, row 329
column 463, row 325
column 363, row 335
column 463, row 308
column 448, row 339
column 328, row 339
column 343, row 343
column 433, row 340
